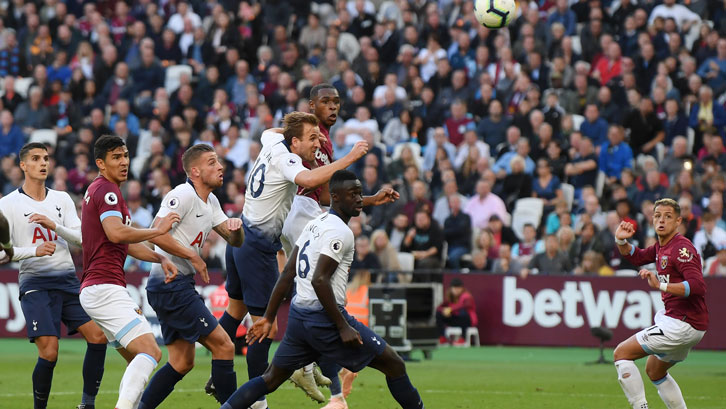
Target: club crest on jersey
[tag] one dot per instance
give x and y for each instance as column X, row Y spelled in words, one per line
column 684, row 255
column 138, row 311
column 664, row 262
column 173, row 203
column 111, row 198
column 336, row 246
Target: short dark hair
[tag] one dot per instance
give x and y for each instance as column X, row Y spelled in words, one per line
column 340, row 177
column 668, row 202
column 293, row 124
column 192, row 154
column 30, row 146
column 314, row 91
column 105, row 144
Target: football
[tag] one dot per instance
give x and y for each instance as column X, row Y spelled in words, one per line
column 494, row 13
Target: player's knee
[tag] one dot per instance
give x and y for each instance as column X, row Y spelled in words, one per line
column 394, row 364
column 618, row 353
column 49, row 353
column 154, row 352
column 654, row 373
column 184, row 366
column 226, row 350
column 96, row 337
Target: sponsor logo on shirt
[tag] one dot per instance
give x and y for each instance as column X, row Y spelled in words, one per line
column 111, row 199
column 173, row 203
column 684, row 255
column 336, row 245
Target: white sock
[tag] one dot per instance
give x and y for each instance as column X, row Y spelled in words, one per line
column 308, row 368
column 338, row 396
column 134, row 380
column 631, row 383
column 670, row 392
column 260, row 404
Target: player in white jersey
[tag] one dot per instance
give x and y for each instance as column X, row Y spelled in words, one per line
column 318, row 325
column 42, row 225
column 252, row 269
column 183, row 316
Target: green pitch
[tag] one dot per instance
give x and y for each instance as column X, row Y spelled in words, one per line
column 475, row 378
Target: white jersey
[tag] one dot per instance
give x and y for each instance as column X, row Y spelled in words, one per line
column 271, row 186
column 197, row 220
column 58, row 207
column 326, row 234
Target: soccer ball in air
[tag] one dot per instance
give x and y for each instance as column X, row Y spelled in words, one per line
column 494, row 13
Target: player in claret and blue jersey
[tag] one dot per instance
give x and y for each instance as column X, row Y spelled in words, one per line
column 684, row 321
column 107, row 238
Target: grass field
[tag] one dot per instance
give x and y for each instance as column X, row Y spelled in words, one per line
column 475, row 378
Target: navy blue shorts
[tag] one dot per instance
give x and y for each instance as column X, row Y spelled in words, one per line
column 182, row 315
column 44, row 310
column 306, row 341
column 255, row 264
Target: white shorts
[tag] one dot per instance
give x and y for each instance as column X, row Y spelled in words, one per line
column 111, row 307
column 302, row 211
column 669, row 339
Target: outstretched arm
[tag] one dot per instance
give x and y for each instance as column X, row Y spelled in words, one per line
column 383, row 196
column 118, row 232
column 313, row 178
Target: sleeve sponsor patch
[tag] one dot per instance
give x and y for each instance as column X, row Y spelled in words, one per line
column 336, row 245
column 173, row 203
column 291, row 162
column 684, row 255
column 111, row 198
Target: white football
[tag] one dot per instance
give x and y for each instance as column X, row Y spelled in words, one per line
column 494, row 13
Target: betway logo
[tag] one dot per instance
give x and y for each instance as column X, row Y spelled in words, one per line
column 549, row 308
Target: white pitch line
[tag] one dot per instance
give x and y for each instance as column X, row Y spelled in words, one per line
column 495, row 392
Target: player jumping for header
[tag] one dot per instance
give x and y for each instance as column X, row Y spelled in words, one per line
column 683, row 322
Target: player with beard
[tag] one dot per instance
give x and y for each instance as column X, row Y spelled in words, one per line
column 183, row 316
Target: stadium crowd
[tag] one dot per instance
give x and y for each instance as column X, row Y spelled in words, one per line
column 515, row 151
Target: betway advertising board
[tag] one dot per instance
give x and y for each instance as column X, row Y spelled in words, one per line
column 560, row 310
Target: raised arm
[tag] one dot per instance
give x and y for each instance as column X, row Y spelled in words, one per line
column 324, row 271
column 313, row 178
column 118, row 232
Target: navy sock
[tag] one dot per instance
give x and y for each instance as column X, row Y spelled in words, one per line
column 229, row 324
column 159, row 387
column 42, row 378
column 404, row 393
column 330, row 369
column 257, row 354
column 93, row 371
column 224, row 378
column 247, row 394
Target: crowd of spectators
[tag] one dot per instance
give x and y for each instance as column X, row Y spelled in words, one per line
column 597, row 107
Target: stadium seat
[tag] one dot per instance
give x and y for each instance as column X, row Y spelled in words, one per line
column 600, row 183
column 173, row 74
column 569, row 192
column 534, row 204
column 48, row 136
column 576, row 45
column 577, row 120
column 472, row 333
column 415, row 148
column 22, row 86
column 691, row 138
column 522, row 217
column 660, row 151
column 406, row 261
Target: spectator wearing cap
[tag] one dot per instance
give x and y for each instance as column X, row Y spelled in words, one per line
column 484, row 204
column 11, row 136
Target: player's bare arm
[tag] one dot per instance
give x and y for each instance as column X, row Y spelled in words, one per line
column 231, row 231
column 315, row 177
column 625, row 231
column 7, row 246
column 141, row 252
column 678, row 289
column 383, row 196
column 324, row 290
column 70, row 235
column 118, row 232
column 261, row 329
column 173, row 247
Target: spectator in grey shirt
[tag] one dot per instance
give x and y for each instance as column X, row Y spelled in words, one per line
column 551, row 262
